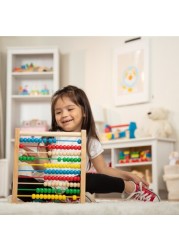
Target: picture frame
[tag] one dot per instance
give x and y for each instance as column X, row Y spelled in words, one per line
column 131, row 73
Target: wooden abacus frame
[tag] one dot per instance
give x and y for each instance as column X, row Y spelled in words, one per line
column 19, row 133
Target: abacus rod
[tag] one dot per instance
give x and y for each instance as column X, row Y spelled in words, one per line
column 31, row 183
column 29, row 195
column 60, row 134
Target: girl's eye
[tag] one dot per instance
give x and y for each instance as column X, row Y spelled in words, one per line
column 58, row 113
column 70, row 109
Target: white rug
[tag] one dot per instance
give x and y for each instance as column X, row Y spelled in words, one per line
column 105, row 207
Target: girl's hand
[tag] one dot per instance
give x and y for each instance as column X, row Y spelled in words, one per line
column 135, row 178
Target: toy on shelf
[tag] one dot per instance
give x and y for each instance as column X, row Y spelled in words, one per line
column 34, row 125
column 45, row 91
column 42, row 92
column 32, row 68
column 127, row 131
column 23, row 90
column 33, row 92
column 127, row 156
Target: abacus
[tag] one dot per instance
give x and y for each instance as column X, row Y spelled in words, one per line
column 63, row 180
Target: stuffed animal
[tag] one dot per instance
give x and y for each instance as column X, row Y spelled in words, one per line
column 157, row 124
column 174, row 158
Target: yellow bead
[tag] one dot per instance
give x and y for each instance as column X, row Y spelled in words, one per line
column 45, row 196
column 52, row 196
column 33, row 196
column 56, row 196
column 37, row 196
column 46, row 165
column 74, row 197
column 41, row 196
column 64, row 197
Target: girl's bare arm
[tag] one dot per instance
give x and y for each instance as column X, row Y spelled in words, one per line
column 41, row 153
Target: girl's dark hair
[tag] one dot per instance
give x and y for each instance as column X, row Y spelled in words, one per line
column 79, row 97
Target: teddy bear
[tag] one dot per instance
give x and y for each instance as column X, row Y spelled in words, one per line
column 174, row 158
column 157, row 124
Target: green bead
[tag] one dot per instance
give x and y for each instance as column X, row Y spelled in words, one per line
column 28, row 158
column 41, row 190
column 37, row 190
column 45, row 190
column 58, row 191
column 67, row 191
column 24, row 158
column 49, row 191
column 32, row 158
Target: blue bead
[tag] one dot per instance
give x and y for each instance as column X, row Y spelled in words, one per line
column 50, row 140
column 45, row 140
column 79, row 141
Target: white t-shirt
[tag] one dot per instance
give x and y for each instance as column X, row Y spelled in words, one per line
column 95, row 149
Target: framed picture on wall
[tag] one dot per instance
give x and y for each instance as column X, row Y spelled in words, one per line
column 131, row 73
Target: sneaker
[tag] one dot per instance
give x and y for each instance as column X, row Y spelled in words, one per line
column 143, row 194
column 89, row 197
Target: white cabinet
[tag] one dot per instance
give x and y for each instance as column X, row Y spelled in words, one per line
column 32, row 77
column 152, row 167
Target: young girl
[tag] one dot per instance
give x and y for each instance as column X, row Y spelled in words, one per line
column 71, row 112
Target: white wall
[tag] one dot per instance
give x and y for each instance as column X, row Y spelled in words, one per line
column 94, row 55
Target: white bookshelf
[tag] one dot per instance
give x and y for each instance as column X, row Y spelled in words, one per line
column 160, row 149
column 35, row 104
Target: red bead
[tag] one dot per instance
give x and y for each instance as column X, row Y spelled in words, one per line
column 21, row 145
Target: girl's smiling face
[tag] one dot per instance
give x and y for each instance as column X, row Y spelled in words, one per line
column 68, row 115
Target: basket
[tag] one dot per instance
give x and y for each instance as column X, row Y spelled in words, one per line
column 171, row 177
